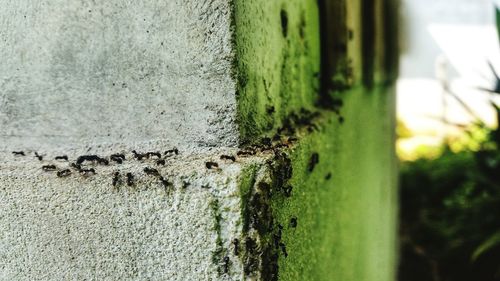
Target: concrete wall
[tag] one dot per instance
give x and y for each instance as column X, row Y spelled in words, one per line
column 283, row 168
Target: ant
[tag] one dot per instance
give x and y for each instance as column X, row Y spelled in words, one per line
column 116, row 179
column 313, row 161
column 236, row 244
column 266, row 142
column 172, row 151
column 226, row 264
column 137, row 155
column 228, row 157
column 152, row 172
column 288, row 190
column 130, row 179
column 49, row 168
column 246, row 152
column 86, row 172
column 165, row 182
column 160, row 162
column 91, row 158
column 63, row 157
column 211, row 165
column 18, row 153
column 283, row 249
column 328, row 176
column 40, row 157
column 185, row 184
column 118, row 158
column 293, row 222
column 64, row 173
column 151, row 154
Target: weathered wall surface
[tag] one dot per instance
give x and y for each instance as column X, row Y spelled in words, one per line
column 283, row 122
column 77, row 73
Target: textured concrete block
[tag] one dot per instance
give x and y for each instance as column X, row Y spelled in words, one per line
column 78, row 73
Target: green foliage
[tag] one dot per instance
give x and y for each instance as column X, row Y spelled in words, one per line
column 450, row 223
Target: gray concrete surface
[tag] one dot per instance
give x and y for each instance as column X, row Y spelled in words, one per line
column 84, row 228
column 75, row 73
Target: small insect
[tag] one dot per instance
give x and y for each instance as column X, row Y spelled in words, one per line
column 160, row 162
column 185, row 184
column 283, row 249
column 151, row 154
column 341, row 119
column 87, row 172
column 78, row 167
column 228, row 157
column 226, row 264
column 18, row 153
column 63, row 157
column 328, row 176
column 137, row 155
column 266, row 142
column 236, row 244
column 293, row 222
column 64, row 173
column 118, row 158
column 116, row 179
column 49, row 168
column 165, row 182
column 40, row 157
column 287, row 190
column 245, row 152
column 152, row 172
column 130, row 179
column 91, row 158
column 172, row 151
column 211, row 165
column 313, row 161
column 270, row 110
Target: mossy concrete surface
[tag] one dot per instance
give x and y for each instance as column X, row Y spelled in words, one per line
column 346, row 206
column 277, row 67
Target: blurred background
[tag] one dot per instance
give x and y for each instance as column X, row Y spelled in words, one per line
column 448, row 98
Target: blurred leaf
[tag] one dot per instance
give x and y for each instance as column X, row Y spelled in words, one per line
column 487, row 245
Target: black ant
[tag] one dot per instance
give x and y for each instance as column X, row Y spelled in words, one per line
column 18, row 153
column 137, row 155
column 293, row 222
column 92, row 158
column 40, row 157
column 160, row 162
column 64, row 173
column 151, row 154
column 152, row 172
column 116, row 179
column 226, row 264
column 63, row 157
column 211, row 165
column 236, row 244
column 245, row 152
column 130, row 179
column 49, row 168
column 86, row 172
column 283, row 249
column 228, row 157
column 266, row 142
column 118, row 158
column 287, row 190
column 328, row 176
column 165, row 182
column 341, row 119
column 313, row 161
column 172, row 151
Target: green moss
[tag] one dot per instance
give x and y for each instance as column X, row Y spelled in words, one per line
column 277, row 65
column 345, row 204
